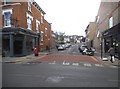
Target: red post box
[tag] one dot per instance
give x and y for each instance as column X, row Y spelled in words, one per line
column 36, row 50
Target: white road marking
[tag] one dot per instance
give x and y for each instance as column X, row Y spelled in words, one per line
column 28, row 63
column 99, row 65
column 75, row 64
column 87, row 65
column 66, row 63
column 53, row 62
column 114, row 66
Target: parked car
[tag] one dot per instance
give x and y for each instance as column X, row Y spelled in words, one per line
column 82, row 48
column 89, row 51
column 61, row 47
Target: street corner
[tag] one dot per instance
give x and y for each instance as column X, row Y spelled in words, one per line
column 28, row 58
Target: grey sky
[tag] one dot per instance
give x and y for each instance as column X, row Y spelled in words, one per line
column 70, row 16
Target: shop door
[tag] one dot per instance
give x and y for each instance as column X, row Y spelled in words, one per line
column 18, row 47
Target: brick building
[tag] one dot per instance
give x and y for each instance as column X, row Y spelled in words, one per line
column 90, row 33
column 108, row 24
column 22, row 24
column 46, row 37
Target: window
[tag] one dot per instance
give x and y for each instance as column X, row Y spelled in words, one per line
column 98, row 34
column 37, row 26
column 42, row 33
column 29, row 21
column 111, row 22
column 7, row 17
column 7, row 21
column 98, row 18
column 29, row 5
column 42, row 18
column 46, row 31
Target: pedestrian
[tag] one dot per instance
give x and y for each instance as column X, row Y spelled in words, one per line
column 111, row 51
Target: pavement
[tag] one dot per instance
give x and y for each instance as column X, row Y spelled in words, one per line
column 106, row 60
column 23, row 59
column 31, row 57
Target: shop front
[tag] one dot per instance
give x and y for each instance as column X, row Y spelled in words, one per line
column 111, row 37
column 18, row 41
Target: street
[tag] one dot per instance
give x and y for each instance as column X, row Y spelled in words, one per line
column 65, row 68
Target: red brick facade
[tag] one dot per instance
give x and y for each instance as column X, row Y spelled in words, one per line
column 20, row 14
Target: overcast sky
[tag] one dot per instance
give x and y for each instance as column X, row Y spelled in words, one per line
column 70, row 16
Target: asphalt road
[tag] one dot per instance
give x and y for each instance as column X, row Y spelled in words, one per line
column 64, row 73
column 57, row 75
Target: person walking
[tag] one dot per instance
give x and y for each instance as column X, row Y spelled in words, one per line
column 111, row 51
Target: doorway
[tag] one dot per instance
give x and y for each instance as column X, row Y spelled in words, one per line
column 18, row 48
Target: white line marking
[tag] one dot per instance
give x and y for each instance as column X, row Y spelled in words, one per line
column 99, row 65
column 75, row 64
column 66, row 63
column 114, row 66
column 89, row 65
column 52, row 62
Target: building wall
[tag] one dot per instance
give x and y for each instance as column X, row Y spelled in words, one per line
column 20, row 11
column 90, row 34
column 47, row 35
column 106, row 10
